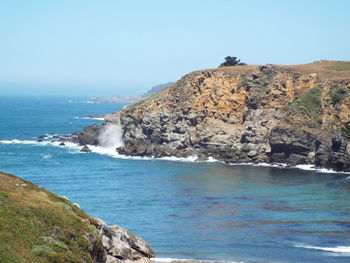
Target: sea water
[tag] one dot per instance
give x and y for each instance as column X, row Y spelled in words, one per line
column 184, row 209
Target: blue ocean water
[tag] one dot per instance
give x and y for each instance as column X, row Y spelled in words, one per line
column 185, row 210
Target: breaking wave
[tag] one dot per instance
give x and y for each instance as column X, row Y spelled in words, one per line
column 338, row 249
column 111, row 139
column 89, row 118
column 109, row 149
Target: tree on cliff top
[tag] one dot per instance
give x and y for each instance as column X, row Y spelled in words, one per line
column 232, row 61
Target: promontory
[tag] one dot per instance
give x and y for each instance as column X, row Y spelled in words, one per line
column 243, row 114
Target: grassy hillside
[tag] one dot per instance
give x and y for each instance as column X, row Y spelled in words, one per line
column 39, row 226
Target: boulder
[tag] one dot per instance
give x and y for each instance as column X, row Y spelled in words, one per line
column 85, row 149
column 120, row 245
column 90, row 135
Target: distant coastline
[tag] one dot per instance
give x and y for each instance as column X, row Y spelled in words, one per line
column 128, row 99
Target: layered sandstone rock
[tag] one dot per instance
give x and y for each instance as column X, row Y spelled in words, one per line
column 275, row 114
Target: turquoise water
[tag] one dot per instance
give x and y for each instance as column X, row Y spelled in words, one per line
column 184, row 210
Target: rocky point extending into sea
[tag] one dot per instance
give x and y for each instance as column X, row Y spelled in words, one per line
column 243, row 114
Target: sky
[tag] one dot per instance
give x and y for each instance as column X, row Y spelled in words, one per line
column 109, row 47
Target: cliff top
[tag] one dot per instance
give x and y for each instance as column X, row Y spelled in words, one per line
column 324, row 68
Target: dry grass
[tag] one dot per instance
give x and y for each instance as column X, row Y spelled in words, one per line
column 325, row 69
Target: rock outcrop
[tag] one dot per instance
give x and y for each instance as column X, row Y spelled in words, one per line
column 271, row 113
column 119, row 245
column 39, row 226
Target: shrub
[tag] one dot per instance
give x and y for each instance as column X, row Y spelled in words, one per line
column 232, row 61
column 42, row 251
column 309, row 103
column 337, row 95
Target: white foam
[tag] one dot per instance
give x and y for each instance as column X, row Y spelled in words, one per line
column 338, row 249
column 306, row 167
column 47, row 156
column 14, row 141
column 169, row 260
column 49, row 135
column 42, row 143
column 111, row 139
column 211, row 160
column 89, row 118
column 111, row 151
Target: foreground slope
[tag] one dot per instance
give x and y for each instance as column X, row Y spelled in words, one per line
column 39, row 226
column 269, row 113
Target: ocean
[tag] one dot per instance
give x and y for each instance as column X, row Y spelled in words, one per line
column 189, row 211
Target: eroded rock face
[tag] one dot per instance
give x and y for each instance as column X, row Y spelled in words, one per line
column 248, row 116
column 120, row 245
column 90, row 135
column 270, row 113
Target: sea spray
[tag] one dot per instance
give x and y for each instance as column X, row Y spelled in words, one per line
column 111, row 136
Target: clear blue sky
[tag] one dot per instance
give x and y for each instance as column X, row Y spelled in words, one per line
column 85, row 47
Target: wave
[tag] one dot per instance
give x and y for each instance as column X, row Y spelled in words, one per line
column 176, row 260
column 338, row 249
column 18, row 142
column 43, row 143
column 305, row 167
column 47, row 156
column 90, row 118
column 110, row 151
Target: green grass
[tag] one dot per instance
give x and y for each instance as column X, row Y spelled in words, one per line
column 341, row 66
column 309, row 103
column 39, row 226
column 345, row 132
column 337, row 95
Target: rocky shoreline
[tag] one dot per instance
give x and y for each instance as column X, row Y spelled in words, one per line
column 248, row 114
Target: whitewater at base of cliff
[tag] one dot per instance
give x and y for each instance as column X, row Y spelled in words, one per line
column 110, row 151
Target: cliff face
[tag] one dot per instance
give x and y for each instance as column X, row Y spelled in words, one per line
column 39, row 226
column 282, row 114
column 274, row 114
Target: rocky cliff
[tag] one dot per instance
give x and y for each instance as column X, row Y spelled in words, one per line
column 39, row 226
column 269, row 113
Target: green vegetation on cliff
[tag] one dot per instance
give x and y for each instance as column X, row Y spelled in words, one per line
column 309, row 103
column 39, row 226
column 337, row 94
